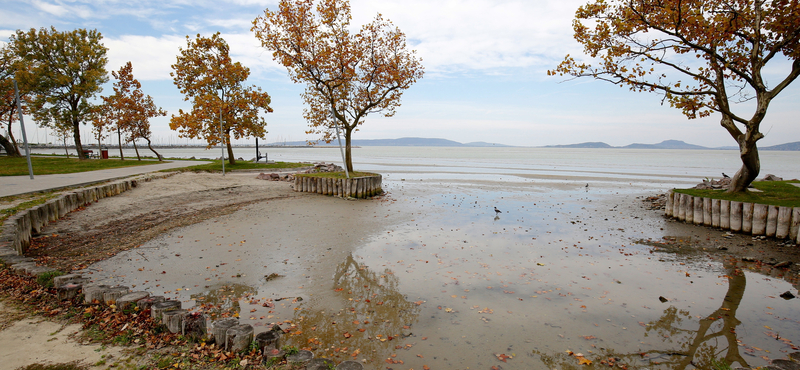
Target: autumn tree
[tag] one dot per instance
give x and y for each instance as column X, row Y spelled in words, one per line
column 206, row 76
column 101, row 123
column 347, row 75
column 64, row 70
column 703, row 57
column 8, row 66
column 131, row 109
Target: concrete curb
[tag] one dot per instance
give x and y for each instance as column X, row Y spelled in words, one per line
column 755, row 219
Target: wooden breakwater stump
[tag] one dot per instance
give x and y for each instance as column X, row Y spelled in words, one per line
column 301, row 358
column 94, row 293
column 194, row 325
column 269, row 340
column 111, row 295
column 320, row 364
column 220, row 328
column 750, row 218
column 157, row 309
column 129, row 300
column 146, row 304
column 354, row 187
column 174, row 319
column 68, row 291
column 238, row 337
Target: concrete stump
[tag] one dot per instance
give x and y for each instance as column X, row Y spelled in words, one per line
column 269, row 340
column 68, row 291
column 174, row 319
column 784, row 222
column 772, row 221
column 302, row 357
column 747, row 218
column 715, row 208
column 220, row 328
column 320, row 364
column 157, row 309
column 736, row 216
column 112, row 294
column 127, row 301
column 194, row 325
column 350, row 365
column 725, row 214
column 238, row 337
column 146, row 304
column 94, row 293
column 697, row 206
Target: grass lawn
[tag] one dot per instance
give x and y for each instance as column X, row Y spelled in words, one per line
column 776, row 193
column 216, row 166
column 13, row 166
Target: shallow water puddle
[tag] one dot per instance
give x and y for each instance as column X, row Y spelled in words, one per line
column 443, row 282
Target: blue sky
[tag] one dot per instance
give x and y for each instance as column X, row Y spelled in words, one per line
column 485, row 63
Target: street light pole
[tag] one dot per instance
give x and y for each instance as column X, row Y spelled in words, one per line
column 221, row 137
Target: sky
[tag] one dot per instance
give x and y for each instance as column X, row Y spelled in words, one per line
column 485, row 71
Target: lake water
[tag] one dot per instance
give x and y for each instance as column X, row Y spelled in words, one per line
column 565, row 275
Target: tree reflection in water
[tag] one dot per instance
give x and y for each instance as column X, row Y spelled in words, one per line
column 714, row 338
column 373, row 323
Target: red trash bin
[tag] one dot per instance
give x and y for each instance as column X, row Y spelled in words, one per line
column 104, row 154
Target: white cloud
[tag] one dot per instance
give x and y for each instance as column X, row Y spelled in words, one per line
column 151, row 56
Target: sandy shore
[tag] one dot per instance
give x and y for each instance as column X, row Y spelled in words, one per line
column 170, row 237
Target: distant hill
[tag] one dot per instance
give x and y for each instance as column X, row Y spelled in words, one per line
column 788, row 146
column 405, row 141
column 595, row 144
column 666, row 144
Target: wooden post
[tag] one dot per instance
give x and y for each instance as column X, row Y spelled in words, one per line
column 68, row 291
column 269, row 340
column 146, row 304
column 682, row 207
column 698, row 211
column 349, row 365
column 715, row 207
column 760, row 212
column 112, row 294
column 725, row 214
column 174, row 319
column 320, row 364
column 668, row 207
column 130, row 299
column 794, row 226
column 238, row 337
column 689, row 209
column 747, row 218
column 94, row 293
column 772, row 221
column 194, row 325
column 676, row 204
column 736, row 216
column 302, row 357
column 158, row 309
column 784, row 222
column 220, row 328
column 707, row 212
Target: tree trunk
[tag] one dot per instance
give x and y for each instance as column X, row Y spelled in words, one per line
column 153, row 150
column 137, row 150
column 9, row 147
column 751, row 166
column 119, row 140
column 76, row 134
column 65, row 145
column 13, row 149
column 347, row 155
column 231, row 160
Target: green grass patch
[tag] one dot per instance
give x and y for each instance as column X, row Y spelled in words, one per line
column 216, row 166
column 775, row 193
column 336, row 175
column 46, row 279
column 68, row 366
column 18, row 166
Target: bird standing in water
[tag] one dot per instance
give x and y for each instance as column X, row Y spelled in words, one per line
column 497, row 211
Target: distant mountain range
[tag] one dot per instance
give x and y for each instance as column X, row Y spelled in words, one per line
column 672, row 144
column 419, row 141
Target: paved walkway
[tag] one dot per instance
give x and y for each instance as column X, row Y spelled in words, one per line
column 16, row 185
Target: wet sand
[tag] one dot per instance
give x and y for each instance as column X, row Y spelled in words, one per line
column 429, row 275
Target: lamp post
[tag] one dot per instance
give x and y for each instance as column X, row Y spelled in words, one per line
column 221, row 137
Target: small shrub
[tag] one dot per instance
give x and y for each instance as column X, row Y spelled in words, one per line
column 46, row 279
